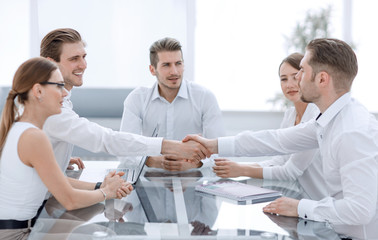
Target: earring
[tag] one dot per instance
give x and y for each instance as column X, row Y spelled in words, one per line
column 40, row 99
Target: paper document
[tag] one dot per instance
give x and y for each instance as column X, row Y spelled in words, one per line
column 238, row 191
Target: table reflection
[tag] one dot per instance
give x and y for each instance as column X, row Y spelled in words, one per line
column 164, row 205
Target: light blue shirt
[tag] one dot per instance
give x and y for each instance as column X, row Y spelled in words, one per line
column 195, row 110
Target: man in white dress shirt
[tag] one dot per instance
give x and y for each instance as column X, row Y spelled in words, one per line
column 345, row 132
column 177, row 106
column 66, row 48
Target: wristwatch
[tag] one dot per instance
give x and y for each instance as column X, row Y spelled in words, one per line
column 98, row 185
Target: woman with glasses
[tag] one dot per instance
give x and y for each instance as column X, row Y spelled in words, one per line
column 28, row 168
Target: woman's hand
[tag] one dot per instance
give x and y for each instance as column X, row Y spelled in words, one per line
column 116, row 187
column 227, row 169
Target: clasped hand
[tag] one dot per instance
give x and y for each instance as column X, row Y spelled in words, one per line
column 193, row 148
column 116, row 186
column 171, row 164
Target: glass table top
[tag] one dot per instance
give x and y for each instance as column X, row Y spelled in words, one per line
column 165, row 205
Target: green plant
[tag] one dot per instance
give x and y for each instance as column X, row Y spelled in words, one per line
column 280, row 102
column 316, row 24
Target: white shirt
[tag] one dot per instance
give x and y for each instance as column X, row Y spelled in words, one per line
column 194, row 110
column 311, row 112
column 68, row 129
column 22, row 190
column 305, row 166
column 347, row 136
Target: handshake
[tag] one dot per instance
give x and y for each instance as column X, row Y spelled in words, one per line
column 193, row 148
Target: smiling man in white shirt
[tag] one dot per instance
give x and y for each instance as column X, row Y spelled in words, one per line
column 346, row 134
column 177, row 106
column 66, row 48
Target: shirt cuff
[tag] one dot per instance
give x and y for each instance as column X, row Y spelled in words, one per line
column 267, row 172
column 263, row 164
column 226, row 146
column 306, row 209
column 207, row 162
column 154, row 145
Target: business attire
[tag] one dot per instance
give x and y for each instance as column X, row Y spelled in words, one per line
column 22, row 190
column 68, row 129
column 305, row 166
column 194, row 110
column 347, row 137
column 311, row 112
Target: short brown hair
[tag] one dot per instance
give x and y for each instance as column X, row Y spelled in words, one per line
column 51, row 44
column 165, row 44
column 293, row 60
column 336, row 58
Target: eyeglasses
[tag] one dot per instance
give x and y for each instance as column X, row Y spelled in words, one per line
column 59, row 85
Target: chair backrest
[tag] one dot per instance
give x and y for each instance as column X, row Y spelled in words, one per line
column 99, row 102
column 90, row 102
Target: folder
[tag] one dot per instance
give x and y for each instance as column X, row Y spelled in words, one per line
column 238, row 191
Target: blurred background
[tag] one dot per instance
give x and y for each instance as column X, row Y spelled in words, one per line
column 233, row 47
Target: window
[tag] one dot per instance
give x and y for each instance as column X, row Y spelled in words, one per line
column 232, row 47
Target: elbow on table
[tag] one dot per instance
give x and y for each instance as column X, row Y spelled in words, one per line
column 69, row 203
column 363, row 216
column 367, row 217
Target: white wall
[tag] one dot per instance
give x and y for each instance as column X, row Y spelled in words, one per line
column 231, row 46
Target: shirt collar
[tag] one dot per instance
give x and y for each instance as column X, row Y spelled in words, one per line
column 68, row 97
column 334, row 109
column 183, row 91
column 155, row 91
column 66, row 101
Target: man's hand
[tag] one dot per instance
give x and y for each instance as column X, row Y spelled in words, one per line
column 179, row 165
column 155, row 161
column 190, row 151
column 283, row 206
column 171, row 164
column 210, row 144
column 225, row 168
column 77, row 161
column 288, row 223
column 201, row 229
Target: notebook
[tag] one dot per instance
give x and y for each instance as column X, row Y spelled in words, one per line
column 132, row 174
column 238, row 191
